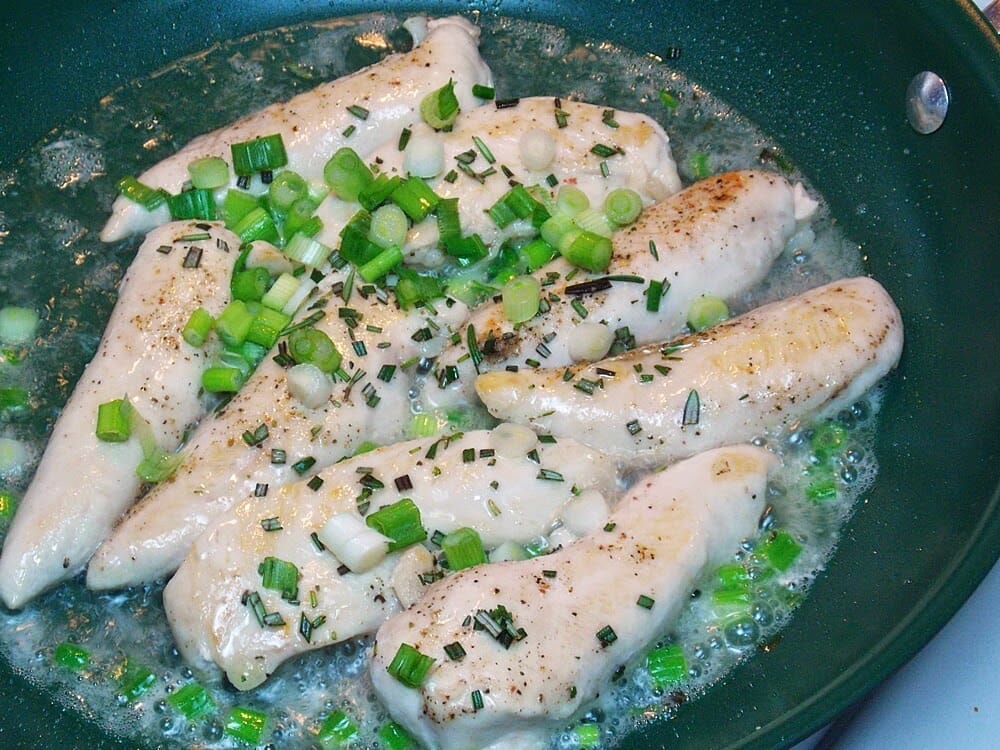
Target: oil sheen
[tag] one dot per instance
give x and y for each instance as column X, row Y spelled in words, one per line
column 56, row 197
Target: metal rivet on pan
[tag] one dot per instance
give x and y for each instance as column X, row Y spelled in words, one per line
column 926, row 102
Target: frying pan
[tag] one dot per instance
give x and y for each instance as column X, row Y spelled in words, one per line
column 827, row 81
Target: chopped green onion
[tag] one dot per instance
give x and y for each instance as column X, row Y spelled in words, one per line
column 70, row 656
column 236, row 205
column 378, row 191
column 423, row 425
column 780, row 550
column 463, row 548
column 222, row 379
column 355, row 245
column 313, row 346
column 307, row 251
column 138, row 192
column 281, row 292
column 699, row 165
column 413, row 287
column 666, row 666
column 299, row 218
column 266, row 327
column 536, row 253
column 256, row 224
column 467, row 250
column 409, row 666
column 415, row 198
column 192, row 700
column 209, row 172
column 521, row 296
column 135, row 680
column 246, row 724
column 18, row 325
column 481, row 91
column 827, row 440
column 556, row 227
column 381, row 264
column 250, row 284
column 707, row 311
column 336, row 729
column 389, row 226
column 392, row 736
column 516, row 203
column 234, row 322
column 439, row 109
column 198, row 326
column 259, row 155
column 586, row 250
column 347, row 174
column 114, row 421
column 622, row 206
column 594, row 221
column 668, row 100
column 279, row 575
column 588, row 735
column 13, row 399
column 286, row 188
column 571, row 200
column 448, row 223
column 192, row 204
column 454, row 651
column 400, row 522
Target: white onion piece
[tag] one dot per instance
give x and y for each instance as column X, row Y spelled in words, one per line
column 804, row 204
column 405, row 580
column 513, row 440
column 353, row 542
column 590, row 342
column 424, row 155
column 801, row 241
column 538, row 149
column 561, row 537
column 585, row 513
column 309, row 385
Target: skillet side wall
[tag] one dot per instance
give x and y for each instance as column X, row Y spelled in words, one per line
column 826, row 80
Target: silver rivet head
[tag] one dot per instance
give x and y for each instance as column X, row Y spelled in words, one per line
column 926, row 102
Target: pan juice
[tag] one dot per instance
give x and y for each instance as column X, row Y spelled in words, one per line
column 56, row 197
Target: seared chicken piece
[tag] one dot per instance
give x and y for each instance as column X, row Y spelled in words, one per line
column 717, row 237
column 759, row 372
column 82, row 484
column 499, row 493
column 312, row 124
column 580, row 624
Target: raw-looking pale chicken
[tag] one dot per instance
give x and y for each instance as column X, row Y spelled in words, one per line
column 220, row 468
column 82, row 484
column 642, row 162
column 717, row 237
column 580, row 624
column 759, row 372
column 312, row 124
column 500, row 494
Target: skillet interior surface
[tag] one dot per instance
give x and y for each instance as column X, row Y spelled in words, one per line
column 827, row 81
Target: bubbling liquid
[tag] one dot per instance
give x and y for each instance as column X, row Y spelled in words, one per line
column 57, row 196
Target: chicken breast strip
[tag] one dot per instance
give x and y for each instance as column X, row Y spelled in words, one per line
column 219, row 469
column 579, row 625
column 760, row 372
column 82, row 484
column 312, row 124
column 500, row 494
column 717, row 237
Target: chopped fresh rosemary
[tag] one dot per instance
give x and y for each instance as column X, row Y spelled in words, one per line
column 692, row 409
column 646, row 602
column 455, row 651
column 607, row 636
column 270, row 524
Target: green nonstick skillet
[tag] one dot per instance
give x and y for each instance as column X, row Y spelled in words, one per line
column 828, row 82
